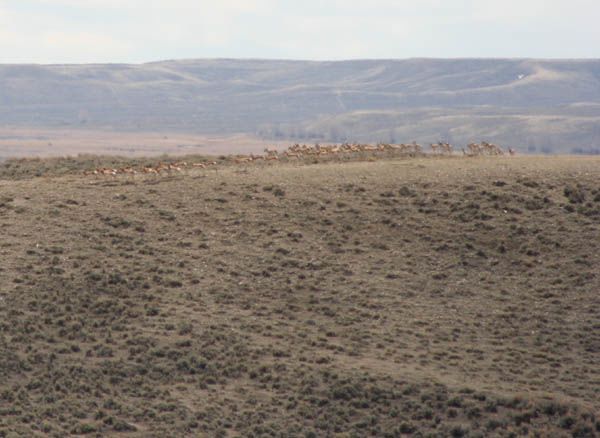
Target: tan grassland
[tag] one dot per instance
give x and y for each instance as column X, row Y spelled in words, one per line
column 396, row 297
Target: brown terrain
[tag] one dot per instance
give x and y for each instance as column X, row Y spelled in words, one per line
column 397, row 296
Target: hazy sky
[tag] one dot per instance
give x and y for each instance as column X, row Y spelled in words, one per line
column 66, row 31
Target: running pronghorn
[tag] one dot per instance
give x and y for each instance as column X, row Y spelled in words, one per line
column 441, row 148
column 299, row 151
column 446, row 148
column 242, row 159
column 271, row 152
column 474, row 149
column 491, row 148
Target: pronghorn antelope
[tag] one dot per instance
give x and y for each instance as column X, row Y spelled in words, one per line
column 484, row 148
column 150, row 170
column 242, row 159
column 441, row 148
column 157, row 169
column 474, row 149
column 446, row 148
column 491, row 148
column 298, row 151
column 369, row 148
column 271, row 152
column 106, row 171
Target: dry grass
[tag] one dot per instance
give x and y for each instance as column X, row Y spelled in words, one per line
column 432, row 297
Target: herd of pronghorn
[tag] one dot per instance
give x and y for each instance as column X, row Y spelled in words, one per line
column 158, row 169
column 301, row 151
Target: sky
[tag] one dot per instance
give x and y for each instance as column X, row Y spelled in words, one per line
column 135, row 31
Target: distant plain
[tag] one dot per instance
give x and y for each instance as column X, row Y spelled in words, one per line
column 48, row 142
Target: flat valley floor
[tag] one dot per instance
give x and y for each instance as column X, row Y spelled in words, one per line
column 402, row 297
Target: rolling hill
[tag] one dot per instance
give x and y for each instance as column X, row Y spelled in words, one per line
column 424, row 296
column 533, row 105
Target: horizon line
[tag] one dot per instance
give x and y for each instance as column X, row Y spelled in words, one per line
column 255, row 59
